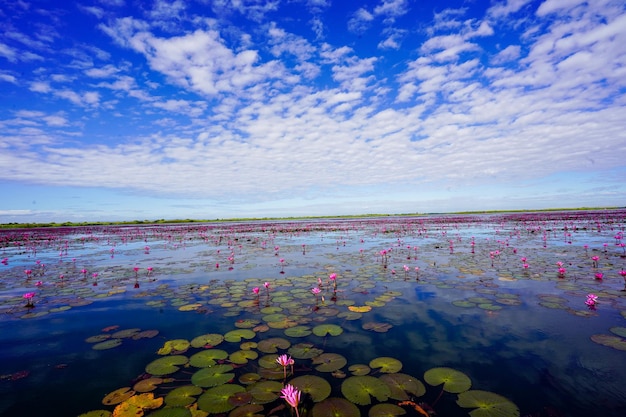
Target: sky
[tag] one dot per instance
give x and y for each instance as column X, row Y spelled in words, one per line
column 217, row 109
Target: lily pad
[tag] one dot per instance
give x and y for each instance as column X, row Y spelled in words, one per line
column 207, row 357
column 213, row 376
column 211, row 339
column 266, row 391
column 182, row 396
column 377, row 327
column 453, row 381
column 108, row 344
column 136, row 405
column 360, row 389
column 98, row 338
column 272, row 344
column 148, row 384
column 175, row 346
column 402, row 384
column 298, row 331
column 318, row 388
column 243, row 356
column 246, row 323
column 237, row 335
column 387, row 365
column 386, row 410
column 487, row 404
column 329, row 362
column 216, row 400
column 123, row 334
column 118, row 396
column 304, row 351
column 615, row 342
column 327, row 329
column 359, row 369
column 166, row 365
column 620, row 331
column 336, row 407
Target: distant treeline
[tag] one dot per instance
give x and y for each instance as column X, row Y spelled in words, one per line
column 353, row 216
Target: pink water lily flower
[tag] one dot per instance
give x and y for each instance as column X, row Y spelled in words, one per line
column 292, row 396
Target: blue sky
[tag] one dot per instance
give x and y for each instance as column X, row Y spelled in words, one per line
column 123, row 110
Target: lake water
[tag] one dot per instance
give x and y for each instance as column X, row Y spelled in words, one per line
column 486, row 301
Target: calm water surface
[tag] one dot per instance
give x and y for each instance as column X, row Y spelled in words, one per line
column 523, row 333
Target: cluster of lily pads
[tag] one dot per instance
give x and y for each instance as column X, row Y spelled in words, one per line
column 238, row 374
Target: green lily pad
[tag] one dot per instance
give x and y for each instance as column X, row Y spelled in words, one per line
column 148, row 384
column 212, row 376
column 211, row 339
column 304, row 351
column 298, row 331
column 336, row 407
column 182, row 396
column 620, row 331
column 487, row 404
column 387, row 365
column 243, row 356
column 266, row 391
column 360, row 389
column 464, row 303
column 108, row 344
column 386, row 410
column 174, row 346
column 123, row 334
column 453, row 381
column 207, row 357
column 359, row 369
column 402, row 384
column 166, row 365
column 329, row 362
column 327, row 329
column 249, row 378
column 272, row 344
column 246, row 323
column 237, row 335
column 145, row 334
column 98, row 338
column 216, row 400
column 615, row 342
column 318, row 388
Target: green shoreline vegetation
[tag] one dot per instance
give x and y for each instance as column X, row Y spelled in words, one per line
column 353, row 216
